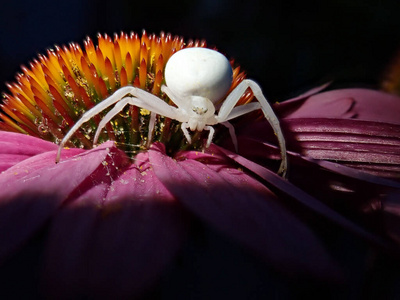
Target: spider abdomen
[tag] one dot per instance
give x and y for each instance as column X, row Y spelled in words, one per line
column 199, row 71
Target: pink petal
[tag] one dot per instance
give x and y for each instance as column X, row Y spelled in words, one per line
column 8, row 160
column 115, row 240
column 23, row 144
column 263, row 153
column 15, row 147
column 347, row 141
column 245, row 210
column 362, row 104
column 316, row 108
column 33, row 189
column 306, row 200
column 367, row 145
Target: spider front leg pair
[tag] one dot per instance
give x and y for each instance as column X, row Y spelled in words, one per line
column 122, row 97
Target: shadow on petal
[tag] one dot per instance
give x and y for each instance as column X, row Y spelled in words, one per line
column 309, row 202
column 391, row 215
column 35, row 188
column 243, row 209
column 116, row 239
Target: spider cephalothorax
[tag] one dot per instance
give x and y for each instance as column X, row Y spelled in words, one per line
column 196, row 81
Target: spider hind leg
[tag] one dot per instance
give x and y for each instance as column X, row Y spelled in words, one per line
column 229, row 110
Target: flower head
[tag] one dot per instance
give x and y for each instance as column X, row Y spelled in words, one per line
column 57, row 88
column 118, row 214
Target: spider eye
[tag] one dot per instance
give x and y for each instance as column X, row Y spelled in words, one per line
column 201, row 106
column 200, row 110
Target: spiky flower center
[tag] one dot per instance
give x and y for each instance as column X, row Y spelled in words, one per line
column 51, row 94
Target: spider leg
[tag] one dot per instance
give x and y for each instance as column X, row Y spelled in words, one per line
column 210, row 135
column 158, row 106
column 152, row 124
column 115, row 111
column 232, row 134
column 182, row 103
column 141, row 99
column 242, row 110
column 154, row 104
column 229, row 111
column 184, row 128
column 111, row 114
column 117, row 96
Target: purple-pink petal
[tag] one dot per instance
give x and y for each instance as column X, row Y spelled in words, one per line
column 32, row 190
column 361, row 104
column 23, row 144
column 366, row 145
column 316, row 108
column 245, row 210
column 115, row 239
column 361, row 144
column 15, row 147
column 306, row 200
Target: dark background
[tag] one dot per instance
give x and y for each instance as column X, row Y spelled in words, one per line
column 287, row 46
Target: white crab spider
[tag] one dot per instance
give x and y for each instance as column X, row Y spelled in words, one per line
column 196, row 79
